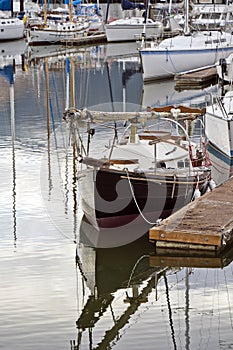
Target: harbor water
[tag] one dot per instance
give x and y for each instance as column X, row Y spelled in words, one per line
column 59, row 290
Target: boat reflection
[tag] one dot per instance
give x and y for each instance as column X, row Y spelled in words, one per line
column 116, row 286
column 7, row 71
column 163, row 93
column 112, row 237
column 106, row 272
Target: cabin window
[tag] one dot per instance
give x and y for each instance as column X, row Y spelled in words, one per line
column 161, row 165
column 180, row 164
column 2, row 30
column 183, row 164
column 215, row 15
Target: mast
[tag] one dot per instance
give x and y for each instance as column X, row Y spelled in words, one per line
column 45, row 12
column 186, row 18
column 70, row 10
column 12, row 109
column 144, row 22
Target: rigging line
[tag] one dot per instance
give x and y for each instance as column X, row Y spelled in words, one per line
column 162, row 313
column 56, row 97
column 111, row 97
column 202, row 314
column 187, row 329
column 86, row 87
column 57, row 104
column 112, row 313
column 218, row 306
column 211, row 314
column 147, row 179
column 228, row 299
column 179, row 320
column 122, row 320
column 135, row 201
column 170, row 312
column 134, row 268
column 80, row 266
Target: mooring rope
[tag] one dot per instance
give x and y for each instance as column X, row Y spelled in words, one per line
column 135, row 201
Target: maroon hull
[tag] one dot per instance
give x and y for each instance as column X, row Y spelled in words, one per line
column 120, row 199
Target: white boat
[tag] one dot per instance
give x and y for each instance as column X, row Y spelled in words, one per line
column 144, row 176
column 52, row 32
column 212, row 16
column 56, row 32
column 131, row 29
column 184, row 52
column 219, row 127
column 11, row 28
column 91, row 12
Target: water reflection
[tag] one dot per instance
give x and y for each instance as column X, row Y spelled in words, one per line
column 105, row 274
column 53, row 290
column 173, row 293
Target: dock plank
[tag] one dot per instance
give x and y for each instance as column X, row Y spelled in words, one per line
column 208, row 220
column 89, row 39
column 196, row 78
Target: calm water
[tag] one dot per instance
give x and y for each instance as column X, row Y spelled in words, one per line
column 56, row 291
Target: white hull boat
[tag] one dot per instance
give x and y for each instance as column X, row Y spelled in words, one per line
column 184, row 53
column 144, row 176
column 131, row 29
column 219, row 127
column 11, row 28
column 212, row 16
column 56, row 32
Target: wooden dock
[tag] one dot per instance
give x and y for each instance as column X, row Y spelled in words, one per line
column 206, row 223
column 89, row 39
column 196, row 78
column 191, row 258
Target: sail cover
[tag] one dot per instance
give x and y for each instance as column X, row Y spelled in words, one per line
column 8, row 73
column 5, row 5
column 128, row 5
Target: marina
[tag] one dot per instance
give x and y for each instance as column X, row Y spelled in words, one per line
column 213, row 227
column 116, row 198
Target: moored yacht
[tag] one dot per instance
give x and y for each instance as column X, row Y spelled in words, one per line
column 11, row 28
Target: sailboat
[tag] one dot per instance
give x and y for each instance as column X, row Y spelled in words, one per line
column 11, row 28
column 212, row 16
column 132, row 28
column 219, row 117
column 145, row 175
column 186, row 52
column 55, row 32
